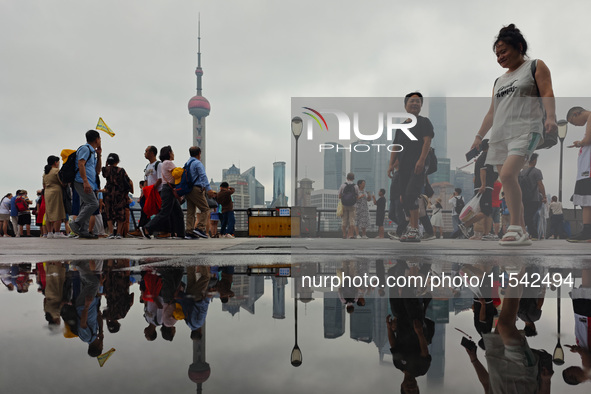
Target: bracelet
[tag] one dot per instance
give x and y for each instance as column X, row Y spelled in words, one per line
column 479, row 136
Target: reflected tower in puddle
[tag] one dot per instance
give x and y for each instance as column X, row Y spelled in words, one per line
column 200, row 370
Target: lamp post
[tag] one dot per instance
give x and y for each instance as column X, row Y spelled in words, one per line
column 296, row 129
column 562, row 129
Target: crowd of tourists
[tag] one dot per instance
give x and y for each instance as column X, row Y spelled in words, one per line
column 72, row 197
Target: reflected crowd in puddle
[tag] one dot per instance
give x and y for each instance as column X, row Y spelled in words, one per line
column 499, row 336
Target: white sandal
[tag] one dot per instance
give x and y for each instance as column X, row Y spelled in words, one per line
column 520, row 238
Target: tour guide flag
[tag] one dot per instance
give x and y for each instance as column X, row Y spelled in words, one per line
column 101, row 125
column 102, row 359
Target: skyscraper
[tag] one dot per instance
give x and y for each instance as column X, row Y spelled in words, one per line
column 363, row 166
column 438, row 116
column 199, row 106
column 279, row 198
column 334, row 167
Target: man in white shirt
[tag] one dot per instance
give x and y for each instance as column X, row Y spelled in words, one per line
column 152, row 176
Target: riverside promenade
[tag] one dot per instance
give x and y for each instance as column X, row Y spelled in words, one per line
column 549, row 253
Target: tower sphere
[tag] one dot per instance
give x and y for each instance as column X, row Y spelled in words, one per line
column 199, row 106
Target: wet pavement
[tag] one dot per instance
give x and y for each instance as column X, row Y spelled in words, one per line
column 238, row 310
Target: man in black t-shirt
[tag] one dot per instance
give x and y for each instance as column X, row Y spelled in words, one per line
column 411, row 163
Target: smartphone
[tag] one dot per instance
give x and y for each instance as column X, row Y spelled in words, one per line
column 468, row 344
column 472, row 154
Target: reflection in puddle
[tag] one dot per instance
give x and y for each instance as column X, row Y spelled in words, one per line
column 149, row 322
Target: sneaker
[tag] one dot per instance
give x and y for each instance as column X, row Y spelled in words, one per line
column 189, row 237
column 75, row 228
column 580, row 237
column 365, row 237
column 393, row 236
column 59, row 235
column 111, row 236
column 72, row 235
column 118, row 237
column 358, row 237
column 48, row 235
column 145, row 233
column 428, row 237
column 229, row 236
column 88, row 236
column 464, row 230
column 411, row 235
column 200, row 233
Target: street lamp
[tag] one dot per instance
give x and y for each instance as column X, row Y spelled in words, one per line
column 562, row 129
column 296, row 129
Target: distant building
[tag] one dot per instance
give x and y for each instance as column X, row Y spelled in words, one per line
column 327, row 199
column 443, row 171
column 249, row 191
column 334, row 167
column 334, row 316
column 304, row 192
column 279, row 197
column 256, row 190
column 241, row 195
column 465, row 181
column 247, row 290
column 438, row 116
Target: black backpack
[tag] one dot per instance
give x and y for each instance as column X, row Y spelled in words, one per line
column 459, row 204
column 349, row 196
column 67, row 173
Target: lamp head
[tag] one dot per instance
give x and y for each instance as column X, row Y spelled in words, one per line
column 297, row 125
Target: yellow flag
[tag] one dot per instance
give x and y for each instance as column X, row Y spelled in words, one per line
column 102, row 359
column 101, row 125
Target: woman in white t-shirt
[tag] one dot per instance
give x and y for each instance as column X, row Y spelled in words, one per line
column 5, row 213
column 516, row 121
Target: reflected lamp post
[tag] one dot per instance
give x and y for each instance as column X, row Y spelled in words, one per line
column 558, row 355
column 296, row 353
column 562, row 129
column 296, row 129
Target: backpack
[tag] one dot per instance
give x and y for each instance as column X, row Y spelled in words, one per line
column 527, row 185
column 460, row 204
column 21, row 204
column 67, row 173
column 186, row 184
column 431, row 162
column 349, row 196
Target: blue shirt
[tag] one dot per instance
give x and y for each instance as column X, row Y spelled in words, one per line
column 87, row 152
column 197, row 173
column 90, row 333
column 13, row 208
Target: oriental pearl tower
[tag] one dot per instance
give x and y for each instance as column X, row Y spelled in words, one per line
column 198, row 105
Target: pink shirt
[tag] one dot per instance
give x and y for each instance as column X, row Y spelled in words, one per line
column 167, row 167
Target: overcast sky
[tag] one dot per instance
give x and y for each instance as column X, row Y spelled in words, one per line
column 66, row 63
